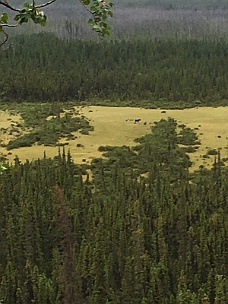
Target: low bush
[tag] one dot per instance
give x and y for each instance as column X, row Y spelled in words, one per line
column 212, row 152
column 187, row 136
column 190, row 149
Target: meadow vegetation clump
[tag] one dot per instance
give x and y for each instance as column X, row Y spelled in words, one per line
column 3, row 157
column 187, row 137
column 160, row 146
column 212, row 152
column 47, row 125
column 106, row 148
column 190, row 149
column 80, row 145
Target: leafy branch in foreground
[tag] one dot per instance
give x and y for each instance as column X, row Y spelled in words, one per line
column 99, row 10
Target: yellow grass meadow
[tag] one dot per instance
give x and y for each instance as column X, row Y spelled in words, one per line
column 116, row 126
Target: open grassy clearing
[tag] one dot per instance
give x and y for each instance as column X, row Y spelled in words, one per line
column 116, row 126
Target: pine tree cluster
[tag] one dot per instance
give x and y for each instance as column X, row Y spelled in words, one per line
column 43, row 68
column 142, row 231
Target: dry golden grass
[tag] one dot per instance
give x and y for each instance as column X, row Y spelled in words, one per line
column 116, row 126
column 6, row 122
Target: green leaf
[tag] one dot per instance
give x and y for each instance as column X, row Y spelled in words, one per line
column 43, row 21
column 96, row 27
column 36, row 21
column 91, row 22
column 23, row 20
column 17, row 17
column 27, row 5
column 4, row 18
column 86, row 2
column 93, row 8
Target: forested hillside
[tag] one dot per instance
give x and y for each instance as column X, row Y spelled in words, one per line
column 42, row 67
column 136, row 226
column 142, row 230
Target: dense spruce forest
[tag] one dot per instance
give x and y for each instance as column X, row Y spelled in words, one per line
column 42, row 67
column 142, row 230
column 136, row 226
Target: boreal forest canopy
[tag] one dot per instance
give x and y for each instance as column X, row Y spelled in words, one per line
column 114, row 152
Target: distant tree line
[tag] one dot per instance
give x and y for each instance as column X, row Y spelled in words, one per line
column 42, row 67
